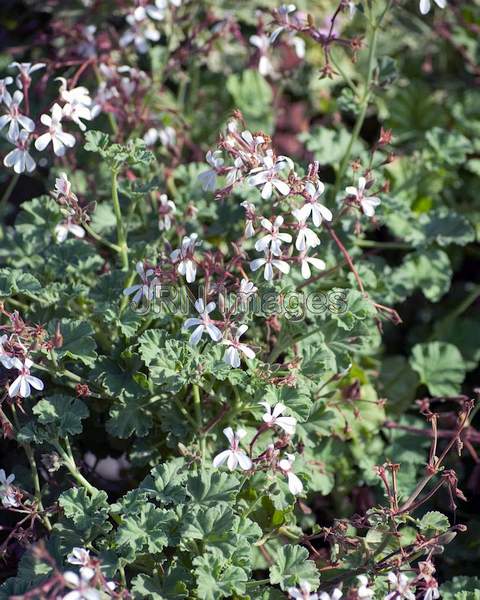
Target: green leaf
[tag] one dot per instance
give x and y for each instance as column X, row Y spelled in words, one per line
column 146, row 531
column 14, row 282
column 440, row 367
column 217, row 579
column 212, row 487
column 166, row 482
column 253, row 96
column 88, row 513
column 398, row 383
column 461, row 588
column 63, row 413
column 291, row 566
column 78, row 342
column 432, row 523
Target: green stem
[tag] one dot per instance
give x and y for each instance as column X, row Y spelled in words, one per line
column 36, row 484
column 121, row 236
column 100, row 239
column 69, row 462
column 382, row 245
column 11, row 186
column 197, row 405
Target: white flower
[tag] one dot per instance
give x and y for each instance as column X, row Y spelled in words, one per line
column 24, row 71
column 165, row 210
column 82, row 589
column 14, row 117
column 247, row 289
column 232, row 354
column 425, row 5
column 7, row 492
column 77, row 103
column 187, row 266
column 250, row 215
column 20, row 158
column 5, row 358
column 142, row 289
column 284, row 11
column 313, row 207
column 335, row 595
column 432, row 592
column 55, row 133
column 63, row 187
column 208, row 179
column 294, row 484
column 268, row 261
column 306, row 261
column 262, row 42
column 266, row 176
column 68, row 226
column 306, row 237
column 364, row 591
column 400, row 585
column 274, row 238
column 234, row 456
column 81, row 556
column 4, row 93
column 21, row 385
column 303, row 592
column 272, row 417
column 140, row 32
column 168, row 136
column 202, row 324
column 368, row 203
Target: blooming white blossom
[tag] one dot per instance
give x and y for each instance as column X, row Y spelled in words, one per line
column 203, row 324
column 432, row 593
column 284, row 12
column 165, row 210
column 81, row 557
column 186, row 266
column 364, row 590
column 234, row 456
column 306, row 237
column 55, row 134
column 262, row 42
column 15, row 117
column 208, row 179
column 143, row 289
column 368, row 203
column 7, row 492
column 19, row 158
column 306, row 261
column 4, row 93
column 303, row 592
column 247, row 289
column 400, row 586
column 68, row 226
column 235, row 347
column 24, row 71
column 274, row 238
column 267, row 176
column 5, row 357
column 286, row 465
column 21, row 385
column 335, row 595
column 140, row 32
column 63, row 187
column 273, row 417
column 82, row 590
column 312, row 207
column 425, row 5
column 77, row 103
column 269, row 262
column 250, row 215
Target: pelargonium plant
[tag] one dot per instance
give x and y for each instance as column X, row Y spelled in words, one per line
column 239, row 342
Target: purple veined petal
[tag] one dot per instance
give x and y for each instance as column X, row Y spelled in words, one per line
column 28, row 363
column 287, row 424
column 368, row 206
column 260, row 178
column 310, row 189
column 17, row 363
column 247, row 137
column 196, row 335
column 268, row 271
column 324, row 211
column 12, row 157
column 193, row 321
column 294, row 484
column 35, row 382
column 26, row 123
column 210, row 307
column 214, row 332
column 306, row 272
column 281, row 186
column 138, row 296
column 14, row 388
column 199, row 305
column 42, row 142
column 231, row 357
column 221, row 458
column 20, row 164
column 267, row 190
column 350, row 190
column 24, row 387
column 232, row 460
column 127, row 291
column 281, row 265
column 228, row 433
column 257, row 263
column 244, row 461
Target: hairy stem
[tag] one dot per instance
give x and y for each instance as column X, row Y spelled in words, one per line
column 121, row 236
